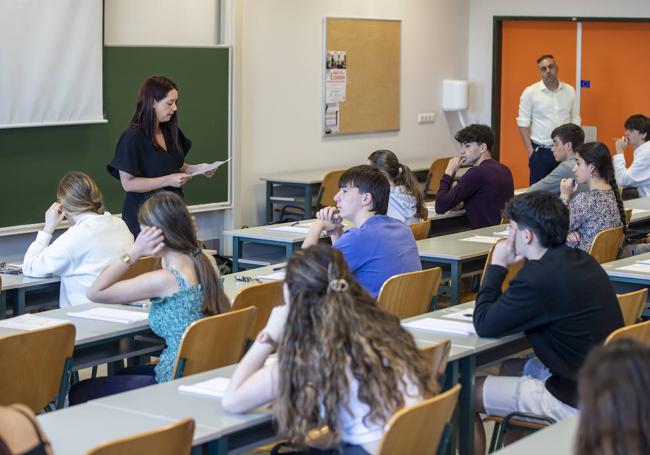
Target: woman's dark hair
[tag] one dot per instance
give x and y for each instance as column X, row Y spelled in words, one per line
column 335, row 332
column 615, row 414
column 544, row 213
column 597, row 153
column 167, row 211
column 399, row 175
column 155, row 88
column 369, row 180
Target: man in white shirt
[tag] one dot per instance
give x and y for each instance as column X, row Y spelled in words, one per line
column 637, row 130
column 544, row 106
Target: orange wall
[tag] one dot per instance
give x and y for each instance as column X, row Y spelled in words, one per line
column 522, row 43
column 616, row 59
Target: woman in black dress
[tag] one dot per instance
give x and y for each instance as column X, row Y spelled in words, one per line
column 150, row 154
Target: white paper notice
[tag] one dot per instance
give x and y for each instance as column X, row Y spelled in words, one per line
column 481, row 239
column 638, row 267
column 209, row 167
column 30, row 322
column 334, row 92
column 441, row 325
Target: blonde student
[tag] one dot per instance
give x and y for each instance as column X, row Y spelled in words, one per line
column 343, row 362
column 186, row 289
column 83, row 250
column 406, row 201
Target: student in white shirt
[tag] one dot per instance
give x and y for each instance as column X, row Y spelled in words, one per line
column 406, row 202
column 80, row 253
column 637, row 134
column 342, row 361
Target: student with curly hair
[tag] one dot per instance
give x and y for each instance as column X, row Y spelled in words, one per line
column 343, row 362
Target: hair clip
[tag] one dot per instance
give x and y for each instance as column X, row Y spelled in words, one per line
column 339, row 285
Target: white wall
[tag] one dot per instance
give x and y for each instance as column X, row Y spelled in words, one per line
column 481, row 13
column 279, row 52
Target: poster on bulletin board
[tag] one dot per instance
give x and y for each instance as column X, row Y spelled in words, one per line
column 361, row 75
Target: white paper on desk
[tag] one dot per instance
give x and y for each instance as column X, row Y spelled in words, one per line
column 645, row 261
column 111, row 315
column 30, row 322
column 291, row 229
column 276, row 276
column 441, row 325
column 209, row 167
column 481, row 239
column 638, row 211
column 462, row 315
column 214, row 387
column 504, row 233
column 638, row 267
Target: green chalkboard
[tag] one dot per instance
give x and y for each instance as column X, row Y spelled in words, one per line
column 34, row 159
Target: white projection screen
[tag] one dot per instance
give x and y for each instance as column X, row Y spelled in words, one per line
column 50, row 62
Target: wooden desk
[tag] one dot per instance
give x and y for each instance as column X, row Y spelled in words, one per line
column 640, row 211
column 306, row 183
column 629, row 280
column 20, row 284
column 457, row 256
column 558, row 439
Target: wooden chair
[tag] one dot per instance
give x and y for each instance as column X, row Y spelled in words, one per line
column 214, row 342
column 172, row 439
column 606, row 245
column 438, row 356
column 420, row 229
column 264, row 297
column 328, row 189
column 436, row 171
column 418, row 428
column 143, row 265
column 632, row 305
column 628, row 216
column 409, row 294
column 640, row 332
column 36, row 366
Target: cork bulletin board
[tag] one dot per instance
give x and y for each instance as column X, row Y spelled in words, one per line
column 361, row 83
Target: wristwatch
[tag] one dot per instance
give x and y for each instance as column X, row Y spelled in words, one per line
column 125, row 258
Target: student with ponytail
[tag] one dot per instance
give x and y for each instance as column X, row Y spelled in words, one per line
column 343, row 362
column 599, row 208
column 186, row 289
column 406, row 201
column 83, row 250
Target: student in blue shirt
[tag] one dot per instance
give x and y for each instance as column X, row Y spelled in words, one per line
column 377, row 247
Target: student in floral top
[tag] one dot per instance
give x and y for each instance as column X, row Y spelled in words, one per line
column 186, row 289
column 599, row 208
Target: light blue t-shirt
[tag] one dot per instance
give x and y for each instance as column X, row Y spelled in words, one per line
column 381, row 248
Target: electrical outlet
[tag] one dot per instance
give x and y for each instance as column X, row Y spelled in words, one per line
column 427, row 117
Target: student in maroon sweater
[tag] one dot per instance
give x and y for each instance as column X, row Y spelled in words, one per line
column 486, row 186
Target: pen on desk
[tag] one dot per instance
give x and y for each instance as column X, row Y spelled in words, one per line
column 276, row 269
column 138, row 304
column 468, row 315
column 295, row 223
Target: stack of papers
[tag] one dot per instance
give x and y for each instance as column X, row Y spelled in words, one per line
column 111, row 315
column 441, row 325
column 481, row 239
column 30, row 322
column 214, row 388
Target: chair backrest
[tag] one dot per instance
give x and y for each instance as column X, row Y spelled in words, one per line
column 513, row 270
column 172, row 439
column 632, row 305
column 214, row 342
column 436, row 170
column 418, row 428
column 264, row 297
column 628, row 216
column 438, row 356
column 640, row 332
column 606, row 244
column 420, row 229
column 35, row 365
column 328, row 188
column 409, row 294
column 143, row 265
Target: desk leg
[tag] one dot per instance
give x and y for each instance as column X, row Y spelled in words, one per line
column 3, row 305
column 218, row 447
column 237, row 246
column 269, row 203
column 19, row 305
column 451, row 379
column 455, row 283
column 467, row 372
